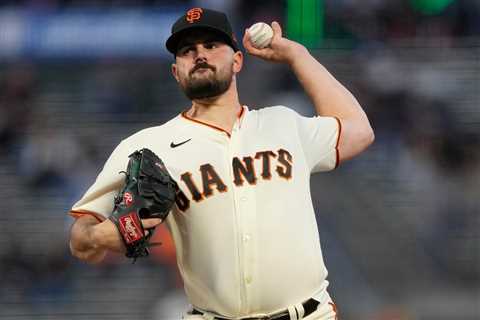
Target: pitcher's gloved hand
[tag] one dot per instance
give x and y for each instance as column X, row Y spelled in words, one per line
column 149, row 192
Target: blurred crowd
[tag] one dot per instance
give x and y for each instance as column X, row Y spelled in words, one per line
column 360, row 21
column 416, row 73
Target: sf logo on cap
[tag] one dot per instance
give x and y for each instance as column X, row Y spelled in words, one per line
column 194, row 14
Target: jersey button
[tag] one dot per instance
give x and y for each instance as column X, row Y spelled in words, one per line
column 246, row 238
column 248, row 279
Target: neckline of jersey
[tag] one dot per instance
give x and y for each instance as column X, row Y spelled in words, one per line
column 239, row 117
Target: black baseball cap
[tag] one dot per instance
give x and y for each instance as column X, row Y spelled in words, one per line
column 208, row 19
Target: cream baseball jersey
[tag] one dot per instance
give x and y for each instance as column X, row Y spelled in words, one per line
column 244, row 226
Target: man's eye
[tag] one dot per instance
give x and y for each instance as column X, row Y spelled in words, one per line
column 210, row 45
column 185, row 50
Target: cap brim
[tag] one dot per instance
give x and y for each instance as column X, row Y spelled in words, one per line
column 173, row 41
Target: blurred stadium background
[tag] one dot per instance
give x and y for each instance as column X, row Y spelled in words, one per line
column 399, row 225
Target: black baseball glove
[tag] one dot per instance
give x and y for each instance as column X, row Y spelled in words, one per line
column 149, row 192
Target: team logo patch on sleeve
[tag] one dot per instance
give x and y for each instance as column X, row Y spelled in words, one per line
column 131, row 228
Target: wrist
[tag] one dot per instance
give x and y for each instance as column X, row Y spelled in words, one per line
column 297, row 52
column 105, row 236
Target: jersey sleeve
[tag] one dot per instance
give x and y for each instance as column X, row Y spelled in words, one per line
column 98, row 201
column 319, row 137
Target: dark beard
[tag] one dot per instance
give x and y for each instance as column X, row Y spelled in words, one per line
column 208, row 87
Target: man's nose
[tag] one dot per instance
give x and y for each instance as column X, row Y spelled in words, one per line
column 200, row 54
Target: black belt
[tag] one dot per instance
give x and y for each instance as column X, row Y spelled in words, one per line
column 309, row 306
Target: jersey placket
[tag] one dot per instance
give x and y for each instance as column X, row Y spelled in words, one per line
column 243, row 213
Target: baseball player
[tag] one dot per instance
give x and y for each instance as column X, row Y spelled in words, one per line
column 243, row 222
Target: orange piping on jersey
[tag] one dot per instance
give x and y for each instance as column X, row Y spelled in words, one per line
column 337, row 161
column 79, row 213
column 184, row 114
column 240, row 114
column 335, row 309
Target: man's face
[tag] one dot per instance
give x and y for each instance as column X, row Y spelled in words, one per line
column 205, row 65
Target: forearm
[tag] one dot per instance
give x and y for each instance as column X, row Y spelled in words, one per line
column 90, row 240
column 329, row 96
column 84, row 241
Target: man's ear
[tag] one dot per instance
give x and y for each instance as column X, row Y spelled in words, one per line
column 175, row 72
column 237, row 61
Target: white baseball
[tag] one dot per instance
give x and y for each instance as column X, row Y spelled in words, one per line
column 261, row 35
